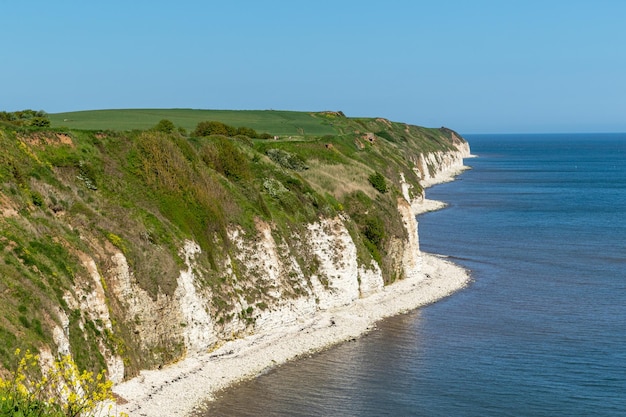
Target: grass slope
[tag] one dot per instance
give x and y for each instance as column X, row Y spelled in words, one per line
column 110, row 182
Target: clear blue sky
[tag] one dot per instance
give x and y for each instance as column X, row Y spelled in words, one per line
column 475, row 66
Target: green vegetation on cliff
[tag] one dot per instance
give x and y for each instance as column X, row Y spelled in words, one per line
column 141, row 182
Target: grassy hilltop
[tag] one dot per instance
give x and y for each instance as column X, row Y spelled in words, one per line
column 277, row 122
column 91, row 183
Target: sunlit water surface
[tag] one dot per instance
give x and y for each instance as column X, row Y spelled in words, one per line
column 540, row 221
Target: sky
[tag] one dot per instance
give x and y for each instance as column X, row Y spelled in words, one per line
column 476, row 66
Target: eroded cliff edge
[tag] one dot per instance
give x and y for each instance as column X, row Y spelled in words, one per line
column 131, row 251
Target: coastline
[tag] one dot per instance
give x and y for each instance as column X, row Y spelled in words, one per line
column 178, row 389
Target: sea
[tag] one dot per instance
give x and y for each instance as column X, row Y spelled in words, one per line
column 540, row 221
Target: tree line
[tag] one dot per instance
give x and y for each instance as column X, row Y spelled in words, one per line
column 210, row 128
column 37, row 118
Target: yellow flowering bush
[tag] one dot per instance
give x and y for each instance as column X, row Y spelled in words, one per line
column 61, row 391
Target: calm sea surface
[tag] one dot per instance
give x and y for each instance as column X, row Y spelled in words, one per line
column 540, row 221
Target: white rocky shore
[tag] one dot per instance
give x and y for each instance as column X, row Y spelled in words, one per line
column 177, row 389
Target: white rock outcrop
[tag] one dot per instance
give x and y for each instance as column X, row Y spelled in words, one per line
column 198, row 329
column 437, row 167
column 336, row 281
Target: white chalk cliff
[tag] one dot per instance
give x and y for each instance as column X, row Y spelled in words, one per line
column 291, row 295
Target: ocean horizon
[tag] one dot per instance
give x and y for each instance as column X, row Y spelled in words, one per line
column 539, row 221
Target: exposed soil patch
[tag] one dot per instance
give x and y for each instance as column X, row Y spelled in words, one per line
column 7, row 207
column 47, row 138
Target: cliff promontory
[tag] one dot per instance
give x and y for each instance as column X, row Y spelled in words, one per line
column 132, row 249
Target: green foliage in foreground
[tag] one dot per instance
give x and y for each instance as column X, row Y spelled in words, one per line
column 61, row 391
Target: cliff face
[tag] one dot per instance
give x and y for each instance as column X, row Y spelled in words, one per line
column 435, row 167
column 338, row 281
column 130, row 280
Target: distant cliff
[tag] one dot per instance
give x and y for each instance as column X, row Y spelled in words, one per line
column 130, row 249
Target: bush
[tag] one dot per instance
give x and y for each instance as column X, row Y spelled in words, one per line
column 378, row 182
column 374, row 231
column 26, row 118
column 40, row 122
column 224, row 157
column 165, row 126
column 117, row 241
column 37, row 199
column 218, row 128
column 62, row 391
column 287, row 160
column 214, row 128
column 162, row 162
column 247, row 131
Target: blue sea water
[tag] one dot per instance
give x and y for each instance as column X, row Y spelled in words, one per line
column 541, row 331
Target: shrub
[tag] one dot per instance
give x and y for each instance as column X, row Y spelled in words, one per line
column 40, row 122
column 224, row 157
column 274, row 187
column 287, row 160
column 165, row 126
column 61, row 391
column 374, row 230
column 214, row 128
column 117, row 241
column 247, row 131
column 162, row 162
column 378, row 182
column 26, row 118
column 221, row 129
column 37, row 198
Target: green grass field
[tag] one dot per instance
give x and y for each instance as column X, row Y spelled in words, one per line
column 274, row 122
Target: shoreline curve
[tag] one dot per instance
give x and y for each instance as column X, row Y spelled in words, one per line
column 180, row 388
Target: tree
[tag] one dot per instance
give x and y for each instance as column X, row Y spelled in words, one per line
column 214, row 128
column 165, row 126
column 247, row 131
